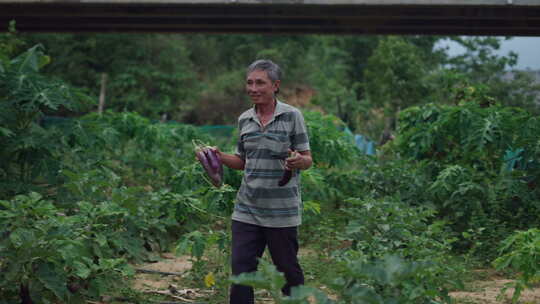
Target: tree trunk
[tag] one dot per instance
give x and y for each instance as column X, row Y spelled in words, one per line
column 102, row 93
column 25, row 294
column 164, row 118
column 387, row 133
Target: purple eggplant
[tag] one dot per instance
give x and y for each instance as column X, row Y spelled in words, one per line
column 216, row 163
column 203, row 160
column 217, row 166
column 287, row 175
column 212, row 159
column 211, row 164
column 285, row 178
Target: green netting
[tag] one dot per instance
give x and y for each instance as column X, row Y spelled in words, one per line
column 218, row 130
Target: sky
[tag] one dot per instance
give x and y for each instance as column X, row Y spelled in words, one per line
column 527, row 48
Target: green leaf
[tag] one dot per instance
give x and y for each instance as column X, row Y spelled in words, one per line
column 267, row 277
column 20, row 237
column 81, row 270
column 53, row 279
column 101, row 239
column 301, row 294
column 6, row 132
column 29, row 61
column 111, row 264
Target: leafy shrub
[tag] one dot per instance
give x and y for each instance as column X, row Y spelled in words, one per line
column 521, row 252
column 378, row 227
column 116, row 150
column 482, row 168
column 270, row 279
column 472, row 135
column 329, row 144
column 49, row 256
column 388, row 280
column 28, row 151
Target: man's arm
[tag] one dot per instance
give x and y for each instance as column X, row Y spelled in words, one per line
column 232, row 161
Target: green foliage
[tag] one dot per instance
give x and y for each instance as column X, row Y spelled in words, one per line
column 389, row 236
column 521, row 252
column 388, row 226
column 482, row 163
column 461, row 173
column 130, row 150
column 329, row 144
column 330, row 71
column 150, row 74
column 84, row 249
column 10, row 45
column 336, row 161
column 53, row 256
column 389, row 280
column 27, row 148
column 398, row 255
column 106, row 211
column 480, row 65
column 460, row 133
column 480, row 58
column 394, row 74
column 268, row 278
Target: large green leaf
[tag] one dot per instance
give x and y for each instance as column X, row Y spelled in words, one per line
column 22, row 237
column 54, row 279
column 81, row 270
column 31, row 60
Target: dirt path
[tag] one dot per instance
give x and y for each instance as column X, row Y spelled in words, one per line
column 170, row 263
column 485, row 291
column 166, row 285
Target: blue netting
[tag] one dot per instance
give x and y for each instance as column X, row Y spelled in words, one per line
column 361, row 142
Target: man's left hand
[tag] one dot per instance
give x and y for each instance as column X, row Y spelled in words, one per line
column 298, row 160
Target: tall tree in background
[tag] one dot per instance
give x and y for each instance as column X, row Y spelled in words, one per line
column 150, row 74
column 395, row 78
column 334, row 68
column 198, row 78
column 481, row 66
column 222, row 94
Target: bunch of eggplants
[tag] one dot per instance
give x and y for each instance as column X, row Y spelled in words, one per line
column 211, row 163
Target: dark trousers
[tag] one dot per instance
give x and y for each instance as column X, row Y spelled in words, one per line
column 248, row 243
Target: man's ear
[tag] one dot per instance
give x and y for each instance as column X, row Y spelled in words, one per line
column 276, row 86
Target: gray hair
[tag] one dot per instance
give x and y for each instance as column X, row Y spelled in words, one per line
column 273, row 70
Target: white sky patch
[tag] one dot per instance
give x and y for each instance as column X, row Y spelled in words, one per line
column 527, row 48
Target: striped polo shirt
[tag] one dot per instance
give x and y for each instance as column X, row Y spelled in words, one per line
column 260, row 201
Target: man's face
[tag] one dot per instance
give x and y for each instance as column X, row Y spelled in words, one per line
column 260, row 88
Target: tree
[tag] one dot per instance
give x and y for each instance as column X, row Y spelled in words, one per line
column 480, row 66
column 26, row 147
column 149, row 74
column 395, row 78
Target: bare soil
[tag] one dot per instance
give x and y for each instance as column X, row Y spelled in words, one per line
column 488, row 291
column 483, row 291
column 170, row 263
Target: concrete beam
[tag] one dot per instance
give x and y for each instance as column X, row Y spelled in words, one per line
column 418, row 17
column 300, row 2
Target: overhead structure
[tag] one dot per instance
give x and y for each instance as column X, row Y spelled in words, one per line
column 415, row 17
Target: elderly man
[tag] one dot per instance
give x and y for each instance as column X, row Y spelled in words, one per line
column 273, row 139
